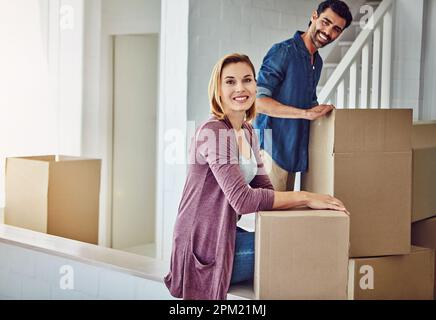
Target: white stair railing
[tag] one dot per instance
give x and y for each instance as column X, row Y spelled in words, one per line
column 355, row 83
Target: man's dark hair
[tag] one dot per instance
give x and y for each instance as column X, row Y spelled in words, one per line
column 339, row 7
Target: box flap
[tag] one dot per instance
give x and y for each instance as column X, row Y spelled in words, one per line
column 424, row 134
column 319, row 175
column 27, row 194
column 285, row 214
column 39, row 158
column 424, row 233
column 424, row 184
column 54, row 158
column 369, row 130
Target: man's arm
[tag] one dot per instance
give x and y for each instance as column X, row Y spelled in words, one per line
column 273, row 108
column 271, row 75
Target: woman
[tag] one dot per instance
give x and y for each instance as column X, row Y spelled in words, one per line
column 226, row 178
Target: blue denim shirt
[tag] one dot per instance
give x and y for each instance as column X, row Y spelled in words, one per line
column 288, row 76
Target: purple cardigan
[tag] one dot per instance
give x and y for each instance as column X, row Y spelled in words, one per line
column 215, row 194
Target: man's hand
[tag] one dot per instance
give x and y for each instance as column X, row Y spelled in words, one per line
column 318, row 111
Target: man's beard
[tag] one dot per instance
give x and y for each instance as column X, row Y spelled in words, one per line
column 318, row 41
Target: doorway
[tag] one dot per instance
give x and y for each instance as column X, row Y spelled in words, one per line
column 135, row 90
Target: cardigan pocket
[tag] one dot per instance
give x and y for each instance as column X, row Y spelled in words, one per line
column 199, row 264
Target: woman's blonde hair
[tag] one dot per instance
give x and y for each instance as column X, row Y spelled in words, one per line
column 215, row 85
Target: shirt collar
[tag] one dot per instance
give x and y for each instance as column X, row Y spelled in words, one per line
column 300, row 43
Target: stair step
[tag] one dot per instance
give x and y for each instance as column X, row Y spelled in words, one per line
column 345, row 43
column 330, row 65
column 319, row 88
column 373, row 3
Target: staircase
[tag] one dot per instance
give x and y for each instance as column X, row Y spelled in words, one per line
column 357, row 71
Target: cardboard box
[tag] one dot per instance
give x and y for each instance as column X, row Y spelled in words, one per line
column 424, row 184
column 424, row 134
column 301, row 255
column 55, row 196
column 364, row 158
column 405, row 277
column 424, row 235
column 424, row 170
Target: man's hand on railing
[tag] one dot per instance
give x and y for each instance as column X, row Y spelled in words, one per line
column 318, row 111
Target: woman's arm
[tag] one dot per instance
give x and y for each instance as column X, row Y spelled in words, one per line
column 221, row 154
column 292, row 199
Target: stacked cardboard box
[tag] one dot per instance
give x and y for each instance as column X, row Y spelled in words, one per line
column 364, row 158
column 424, row 185
column 407, row 276
column 424, row 234
column 424, row 170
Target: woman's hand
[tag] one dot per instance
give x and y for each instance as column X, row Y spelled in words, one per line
column 321, row 201
column 292, row 199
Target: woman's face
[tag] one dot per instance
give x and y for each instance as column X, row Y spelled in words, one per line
column 238, row 88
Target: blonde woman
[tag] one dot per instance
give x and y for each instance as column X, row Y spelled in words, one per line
column 226, row 178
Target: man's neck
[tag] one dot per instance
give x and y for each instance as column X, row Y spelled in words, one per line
column 308, row 43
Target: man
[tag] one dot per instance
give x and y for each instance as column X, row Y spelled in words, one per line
column 286, row 97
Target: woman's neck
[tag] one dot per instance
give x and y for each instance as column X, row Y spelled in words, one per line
column 236, row 120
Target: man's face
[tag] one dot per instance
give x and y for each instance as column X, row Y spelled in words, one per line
column 326, row 27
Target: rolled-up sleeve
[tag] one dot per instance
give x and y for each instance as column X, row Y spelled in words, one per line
column 272, row 71
column 314, row 100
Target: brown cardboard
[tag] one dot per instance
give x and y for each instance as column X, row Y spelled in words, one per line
column 424, row 184
column 301, row 255
column 405, row 277
column 424, row 235
column 364, row 158
column 424, row 134
column 56, row 197
column 424, row 170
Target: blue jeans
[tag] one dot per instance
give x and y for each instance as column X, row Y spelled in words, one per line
column 243, row 263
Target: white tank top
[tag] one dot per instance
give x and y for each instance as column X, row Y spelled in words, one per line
column 248, row 166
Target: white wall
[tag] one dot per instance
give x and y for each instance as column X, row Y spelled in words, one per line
column 91, row 122
column 428, row 66
column 173, row 127
column 103, row 20
column 135, row 131
column 41, row 79
column 406, row 54
column 218, row 27
column 28, row 274
column 28, row 118
column 66, row 69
